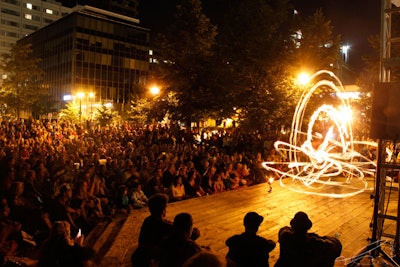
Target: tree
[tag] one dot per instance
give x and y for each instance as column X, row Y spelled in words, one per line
column 139, row 109
column 313, row 47
column 105, row 115
column 318, row 47
column 70, row 113
column 23, row 87
column 187, row 47
column 252, row 46
column 366, row 81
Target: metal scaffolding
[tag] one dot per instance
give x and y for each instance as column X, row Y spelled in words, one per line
column 386, row 215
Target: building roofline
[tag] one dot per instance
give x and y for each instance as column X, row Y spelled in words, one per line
column 105, row 12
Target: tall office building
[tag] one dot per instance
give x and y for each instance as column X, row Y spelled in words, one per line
column 93, row 52
column 18, row 18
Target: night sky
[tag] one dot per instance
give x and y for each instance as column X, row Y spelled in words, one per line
column 354, row 20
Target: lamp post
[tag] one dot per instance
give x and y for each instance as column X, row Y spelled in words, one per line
column 80, row 96
column 91, row 97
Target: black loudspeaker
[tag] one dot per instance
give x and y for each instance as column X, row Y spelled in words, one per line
column 385, row 119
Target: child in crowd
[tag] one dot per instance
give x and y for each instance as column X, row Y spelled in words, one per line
column 138, row 197
column 218, row 185
column 122, row 201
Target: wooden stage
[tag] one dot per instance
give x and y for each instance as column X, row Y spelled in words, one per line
column 220, row 216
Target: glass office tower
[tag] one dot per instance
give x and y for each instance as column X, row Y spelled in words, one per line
column 92, row 51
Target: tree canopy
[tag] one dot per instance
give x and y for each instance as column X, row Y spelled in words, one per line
column 186, row 50
column 245, row 65
column 23, row 89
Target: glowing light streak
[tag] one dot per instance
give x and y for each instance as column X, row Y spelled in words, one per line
column 365, row 252
column 323, row 163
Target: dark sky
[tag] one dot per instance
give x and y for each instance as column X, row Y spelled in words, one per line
column 354, row 20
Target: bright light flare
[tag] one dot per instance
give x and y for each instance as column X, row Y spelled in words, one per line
column 80, row 95
column 303, row 78
column 154, row 90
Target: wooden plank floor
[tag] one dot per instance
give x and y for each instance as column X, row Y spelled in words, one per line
column 220, row 216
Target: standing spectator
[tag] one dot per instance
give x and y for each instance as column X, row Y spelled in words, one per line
column 300, row 248
column 248, row 248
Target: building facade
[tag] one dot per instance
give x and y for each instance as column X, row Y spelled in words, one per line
column 19, row 18
column 93, row 54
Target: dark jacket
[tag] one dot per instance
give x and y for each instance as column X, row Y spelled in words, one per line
column 249, row 249
column 308, row 249
column 60, row 254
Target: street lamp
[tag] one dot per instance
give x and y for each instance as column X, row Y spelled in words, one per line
column 303, row 78
column 80, row 95
column 155, row 90
column 91, row 97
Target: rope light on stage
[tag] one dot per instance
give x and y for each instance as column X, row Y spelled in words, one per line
column 323, row 162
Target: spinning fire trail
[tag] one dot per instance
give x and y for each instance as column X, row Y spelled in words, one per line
column 323, row 161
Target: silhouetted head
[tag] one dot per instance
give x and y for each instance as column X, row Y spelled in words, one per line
column 157, row 204
column 252, row 220
column 183, row 223
column 301, row 222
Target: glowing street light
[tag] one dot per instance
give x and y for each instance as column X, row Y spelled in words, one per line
column 345, row 52
column 303, row 78
column 154, row 90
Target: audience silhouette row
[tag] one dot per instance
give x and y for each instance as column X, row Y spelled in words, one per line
column 173, row 244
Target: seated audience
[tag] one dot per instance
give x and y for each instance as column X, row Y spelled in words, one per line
column 300, row 248
column 138, row 198
column 61, row 250
column 122, row 200
column 178, row 247
column 205, row 258
column 248, row 248
column 177, row 189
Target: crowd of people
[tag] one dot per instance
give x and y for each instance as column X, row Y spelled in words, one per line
column 54, row 172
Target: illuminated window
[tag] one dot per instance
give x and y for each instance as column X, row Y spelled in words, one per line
column 28, row 5
column 49, row 11
column 28, row 16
